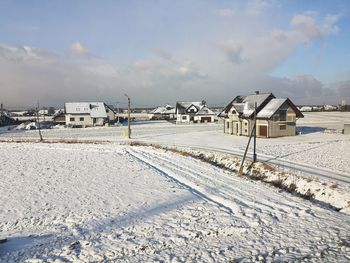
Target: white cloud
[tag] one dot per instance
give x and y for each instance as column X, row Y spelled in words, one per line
column 311, row 28
column 255, row 7
column 225, row 12
column 230, row 61
column 78, row 49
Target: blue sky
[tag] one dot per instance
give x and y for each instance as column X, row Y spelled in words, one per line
column 162, row 51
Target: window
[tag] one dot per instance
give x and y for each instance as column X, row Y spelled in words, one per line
column 246, row 123
column 72, row 119
column 107, row 110
column 184, row 117
column 283, row 127
column 283, row 115
column 245, row 130
column 228, row 125
column 81, row 118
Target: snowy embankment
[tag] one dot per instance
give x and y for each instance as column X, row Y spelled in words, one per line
column 83, row 203
column 327, row 192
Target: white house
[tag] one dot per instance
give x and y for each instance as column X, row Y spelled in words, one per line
column 87, row 114
column 193, row 112
column 162, row 113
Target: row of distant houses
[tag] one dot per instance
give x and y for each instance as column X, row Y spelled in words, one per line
column 275, row 117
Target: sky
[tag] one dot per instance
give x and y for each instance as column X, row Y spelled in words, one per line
column 159, row 52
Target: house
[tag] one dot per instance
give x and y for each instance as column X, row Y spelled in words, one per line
column 59, row 117
column 276, row 117
column 306, row 108
column 6, row 118
column 193, row 112
column 329, row 108
column 162, row 113
column 87, row 114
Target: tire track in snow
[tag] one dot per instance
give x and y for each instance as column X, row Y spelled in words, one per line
column 262, row 208
column 228, row 206
column 230, row 186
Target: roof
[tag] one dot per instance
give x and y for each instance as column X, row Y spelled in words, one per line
column 271, row 108
column 245, row 105
column 163, row 110
column 274, row 105
column 95, row 109
column 205, row 111
column 267, row 105
column 158, row 110
column 202, row 109
column 187, row 104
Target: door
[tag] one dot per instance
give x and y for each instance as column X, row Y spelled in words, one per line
column 263, row 131
column 206, row 119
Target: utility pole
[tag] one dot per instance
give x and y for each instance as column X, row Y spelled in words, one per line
column 254, row 154
column 129, row 129
column 240, row 171
column 37, row 115
column 118, row 113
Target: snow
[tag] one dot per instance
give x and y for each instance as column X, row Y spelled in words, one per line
column 271, row 107
column 109, row 202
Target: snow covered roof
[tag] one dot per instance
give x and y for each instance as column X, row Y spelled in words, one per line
column 205, row 111
column 158, row 110
column 163, row 110
column 202, row 109
column 271, row 108
column 169, row 111
column 95, row 109
column 267, row 105
column 187, row 104
column 244, row 105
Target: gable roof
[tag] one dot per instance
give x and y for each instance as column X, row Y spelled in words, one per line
column 163, row 110
column 245, row 105
column 205, row 111
column 274, row 105
column 94, row 109
column 202, row 109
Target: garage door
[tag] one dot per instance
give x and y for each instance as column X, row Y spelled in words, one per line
column 263, row 131
column 208, row 119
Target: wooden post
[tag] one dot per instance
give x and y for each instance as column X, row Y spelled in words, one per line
column 254, row 154
column 240, row 172
column 129, row 128
column 38, row 119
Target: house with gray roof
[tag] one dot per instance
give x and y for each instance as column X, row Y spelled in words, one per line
column 88, row 114
column 275, row 117
column 162, row 113
column 193, row 112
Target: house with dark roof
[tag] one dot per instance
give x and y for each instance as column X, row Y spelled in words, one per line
column 275, row 117
column 193, row 112
column 6, row 118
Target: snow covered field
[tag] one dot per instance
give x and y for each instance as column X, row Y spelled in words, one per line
column 109, row 202
column 316, row 147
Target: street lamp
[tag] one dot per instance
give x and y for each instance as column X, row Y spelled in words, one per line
column 129, row 129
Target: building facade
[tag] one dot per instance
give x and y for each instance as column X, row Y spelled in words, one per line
column 193, row 112
column 275, row 117
column 88, row 114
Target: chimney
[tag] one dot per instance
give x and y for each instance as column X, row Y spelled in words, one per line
column 2, row 107
column 257, row 92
